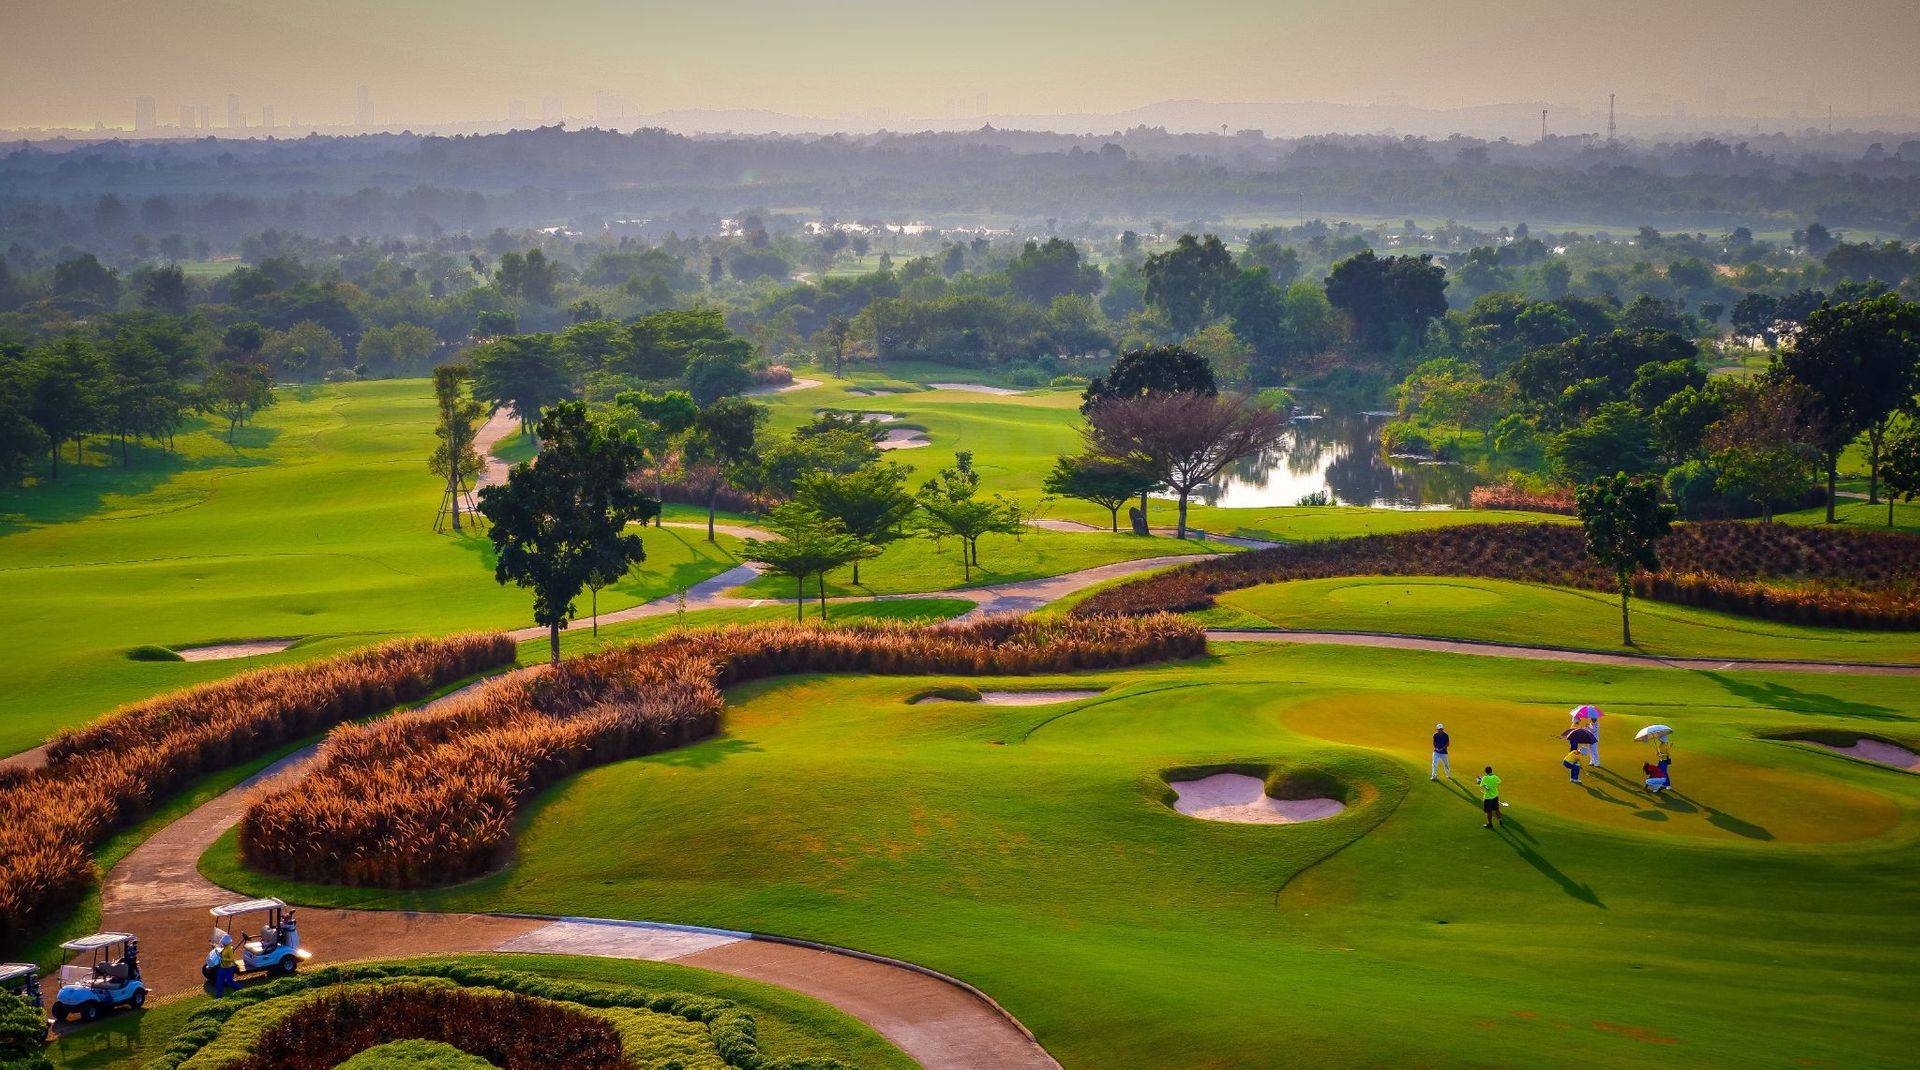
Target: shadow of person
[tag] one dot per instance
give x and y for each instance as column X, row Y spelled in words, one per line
column 1576, row 889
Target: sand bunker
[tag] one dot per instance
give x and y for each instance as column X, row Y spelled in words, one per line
column 902, row 439
column 1244, row 799
column 783, row 388
column 975, row 388
column 223, row 651
column 1017, row 698
column 1873, row 750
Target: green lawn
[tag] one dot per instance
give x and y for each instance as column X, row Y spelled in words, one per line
column 1761, row 917
column 910, row 566
column 1509, row 612
column 1854, row 513
column 789, row 1025
column 317, row 523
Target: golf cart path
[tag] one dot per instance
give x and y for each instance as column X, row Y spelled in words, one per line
column 1491, row 649
column 158, row 893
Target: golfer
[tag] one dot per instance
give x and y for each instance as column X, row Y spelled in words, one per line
column 1490, row 797
column 1572, row 762
column 1440, row 743
column 1663, row 754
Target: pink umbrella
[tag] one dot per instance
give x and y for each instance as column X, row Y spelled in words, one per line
column 1586, row 713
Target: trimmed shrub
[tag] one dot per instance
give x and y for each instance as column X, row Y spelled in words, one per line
column 429, row 797
column 415, row 1055
column 1515, row 497
column 150, row 652
column 118, row 767
column 1802, row 575
column 510, row 1031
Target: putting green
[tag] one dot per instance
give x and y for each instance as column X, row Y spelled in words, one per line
column 1536, row 614
column 1760, row 917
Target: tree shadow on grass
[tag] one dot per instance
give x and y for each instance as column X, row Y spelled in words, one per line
column 81, row 491
column 706, row 755
column 1782, row 697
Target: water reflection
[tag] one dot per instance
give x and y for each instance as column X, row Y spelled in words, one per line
column 1338, row 454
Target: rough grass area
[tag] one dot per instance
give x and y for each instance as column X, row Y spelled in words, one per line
column 317, row 522
column 1504, row 611
column 789, row 1026
column 1761, row 916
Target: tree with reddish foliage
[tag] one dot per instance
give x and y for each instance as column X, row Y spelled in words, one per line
column 1624, row 518
column 1186, row 438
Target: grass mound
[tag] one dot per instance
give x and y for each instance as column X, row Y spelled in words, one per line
column 391, row 1014
column 949, row 692
column 150, row 652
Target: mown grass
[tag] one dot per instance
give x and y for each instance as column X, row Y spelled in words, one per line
column 317, row 523
column 914, row 565
column 1534, row 614
column 1761, row 916
column 1853, row 513
column 790, row 1025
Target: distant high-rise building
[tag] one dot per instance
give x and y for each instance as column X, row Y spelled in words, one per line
column 142, row 114
column 234, row 122
column 205, row 114
column 266, row 116
column 362, row 108
column 549, row 111
column 186, row 116
column 516, row 113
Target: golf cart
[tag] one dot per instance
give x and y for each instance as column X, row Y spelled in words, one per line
column 276, row 951
column 107, row 976
column 21, row 980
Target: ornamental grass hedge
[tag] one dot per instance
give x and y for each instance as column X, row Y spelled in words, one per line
column 429, row 797
column 1801, row 575
column 322, row 1017
column 100, row 776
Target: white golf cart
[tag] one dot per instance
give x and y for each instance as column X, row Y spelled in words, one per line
column 107, row 976
column 276, row 951
column 22, row 981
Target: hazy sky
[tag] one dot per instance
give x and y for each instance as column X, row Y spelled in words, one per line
column 74, row 61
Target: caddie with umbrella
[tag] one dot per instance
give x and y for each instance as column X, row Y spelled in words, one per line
column 1588, row 717
column 1660, row 770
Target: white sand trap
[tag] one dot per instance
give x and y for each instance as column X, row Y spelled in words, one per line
column 252, row 648
column 1244, row 799
column 976, row 388
column 784, row 388
column 902, row 439
column 1020, row 698
column 1873, row 750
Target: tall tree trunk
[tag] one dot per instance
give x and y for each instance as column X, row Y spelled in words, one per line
column 800, row 597
column 823, row 594
column 553, row 642
column 453, row 496
column 1180, row 529
column 53, row 461
column 1874, row 435
column 1143, row 507
column 1626, row 629
column 596, row 611
column 1113, row 518
column 1833, row 477
column 966, row 562
column 713, row 498
column 856, row 573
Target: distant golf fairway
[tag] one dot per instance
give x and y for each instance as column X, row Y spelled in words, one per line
column 1535, row 614
column 319, row 524
column 1764, row 915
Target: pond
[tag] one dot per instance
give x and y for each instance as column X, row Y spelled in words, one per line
column 1338, row 454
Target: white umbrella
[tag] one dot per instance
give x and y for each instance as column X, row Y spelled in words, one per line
column 1653, row 730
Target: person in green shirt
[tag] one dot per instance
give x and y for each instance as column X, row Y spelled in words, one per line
column 1490, row 797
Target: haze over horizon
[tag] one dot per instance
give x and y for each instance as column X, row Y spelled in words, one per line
column 866, row 64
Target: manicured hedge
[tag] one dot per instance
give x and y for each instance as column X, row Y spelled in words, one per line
column 439, row 1016
column 118, row 767
column 430, row 797
column 1804, row 575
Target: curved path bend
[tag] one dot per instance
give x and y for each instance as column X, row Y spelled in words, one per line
column 158, row 892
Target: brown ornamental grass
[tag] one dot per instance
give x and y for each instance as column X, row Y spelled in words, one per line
column 115, row 769
column 429, row 797
column 1802, row 575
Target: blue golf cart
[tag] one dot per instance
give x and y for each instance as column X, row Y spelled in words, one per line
column 106, row 975
column 276, row 951
column 21, row 981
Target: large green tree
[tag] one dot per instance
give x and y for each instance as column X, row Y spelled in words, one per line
column 1861, row 359
column 1388, row 298
column 721, row 444
column 455, row 460
column 1624, row 519
column 1107, row 482
column 950, row 506
column 1900, row 465
column 872, row 504
column 523, row 372
column 1155, row 370
column 1187, row 438
column 560, row 520
column 806, row 544
column 1190, row 282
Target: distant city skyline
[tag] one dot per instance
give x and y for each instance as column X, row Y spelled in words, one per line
column 358, row 63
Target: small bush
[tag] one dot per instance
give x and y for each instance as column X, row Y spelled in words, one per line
column 773, row 375
column 149, row 652
column 952, row 693
column 1512, row 496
